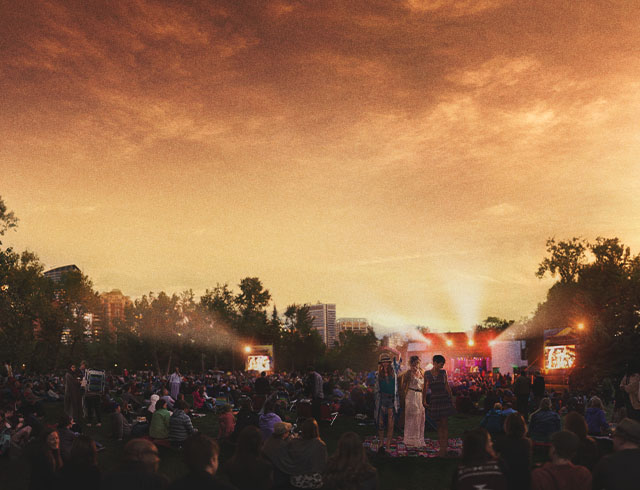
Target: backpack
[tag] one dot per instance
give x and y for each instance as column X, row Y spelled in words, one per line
column 95, row 382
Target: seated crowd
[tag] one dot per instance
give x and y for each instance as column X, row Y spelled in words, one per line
column 150, row 412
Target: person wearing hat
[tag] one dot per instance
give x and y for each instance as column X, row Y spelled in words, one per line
column 275, row 450
column 386, row 395
column 621, row 470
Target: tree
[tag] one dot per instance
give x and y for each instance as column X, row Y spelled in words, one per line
column 8, row 220
column 356, row 351
column 495, row 324
column 300, row 344
column 566, row 259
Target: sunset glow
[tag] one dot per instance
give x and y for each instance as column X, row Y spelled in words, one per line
column 404, row 160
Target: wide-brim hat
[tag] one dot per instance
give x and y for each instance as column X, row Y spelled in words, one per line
column 629, row 430
column 384, row 357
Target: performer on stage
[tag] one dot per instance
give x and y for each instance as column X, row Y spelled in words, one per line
column 411, row 383
column 441, row 404
column 386, row 393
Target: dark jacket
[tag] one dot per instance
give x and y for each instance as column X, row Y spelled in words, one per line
column 543, row 423
column 200, row 480
column 180, row 426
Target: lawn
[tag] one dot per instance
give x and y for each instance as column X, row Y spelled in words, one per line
column 406, row 473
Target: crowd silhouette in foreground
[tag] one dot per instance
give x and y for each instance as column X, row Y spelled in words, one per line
column 150, row 415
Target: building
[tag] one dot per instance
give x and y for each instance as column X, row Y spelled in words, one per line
column 114, row 304
column 355, row 325
column 56, row 274
column 323, row 317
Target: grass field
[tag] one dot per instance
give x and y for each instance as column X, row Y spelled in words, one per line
column 395, row 473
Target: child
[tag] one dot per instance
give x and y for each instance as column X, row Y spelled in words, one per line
column 226, row 422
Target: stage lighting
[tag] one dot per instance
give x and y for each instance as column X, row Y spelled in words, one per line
column 449, row 342
column 471, row 343
column 247, row 348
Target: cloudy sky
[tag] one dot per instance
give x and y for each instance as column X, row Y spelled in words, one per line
column 406, row 160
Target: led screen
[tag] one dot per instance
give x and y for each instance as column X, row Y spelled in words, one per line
column 258, row 363
column 559, row 356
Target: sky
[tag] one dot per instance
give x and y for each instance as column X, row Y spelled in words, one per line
column 405, row 160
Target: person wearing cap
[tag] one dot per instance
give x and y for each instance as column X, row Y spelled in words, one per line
column 621, row 470
column 275, row 450
column 386, row 395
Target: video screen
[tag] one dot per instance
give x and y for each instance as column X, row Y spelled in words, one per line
column 258, row 363
column 559, row 356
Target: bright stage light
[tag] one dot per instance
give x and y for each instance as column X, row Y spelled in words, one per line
column 449, row 342
column 471, row 343
column 492, row 343
column 247, row 348
column 580, row 326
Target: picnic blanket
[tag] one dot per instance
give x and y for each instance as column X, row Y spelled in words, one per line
column 398, row 448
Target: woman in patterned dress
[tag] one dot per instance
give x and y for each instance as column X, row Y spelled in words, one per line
column 441, row 405
column 411, row 384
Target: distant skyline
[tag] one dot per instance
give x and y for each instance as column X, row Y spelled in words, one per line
column 405, row 160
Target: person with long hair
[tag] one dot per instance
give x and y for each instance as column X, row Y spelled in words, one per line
column 441, row 403
column 348, row 468
column 81, row 470
column 46, row 460
column 479, row 468
column 307, row 457
column 387, row 401
column 247, row 469
column 515, row 451
column 596, row 418
column 587, row 454
column 544, row 422
column 412, row 411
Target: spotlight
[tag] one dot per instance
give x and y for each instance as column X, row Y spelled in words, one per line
column 580, row 326
column 247, row 348
column 471, row 343
column 492, row 343
column 449, row 343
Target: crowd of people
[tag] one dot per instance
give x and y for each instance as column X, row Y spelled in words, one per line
column 149, row 411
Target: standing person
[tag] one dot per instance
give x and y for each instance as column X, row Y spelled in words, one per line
column 561, row 473
column 386, row 395
column 538, row 388
column 175, row 380
column 72, row 394
column 441, row 406
column 94, row 390
column 522, row 389
column 630, row 384
column 620, row 470
column 314, row 389
column 411, row 383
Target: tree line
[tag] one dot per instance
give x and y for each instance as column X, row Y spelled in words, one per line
column 46, row 325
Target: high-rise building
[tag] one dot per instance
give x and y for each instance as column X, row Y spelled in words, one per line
column 113, row 306
column 355, row 325
column 56, row 274
column 323, row 317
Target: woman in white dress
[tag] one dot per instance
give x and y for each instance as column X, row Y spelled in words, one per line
column 411, row 385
